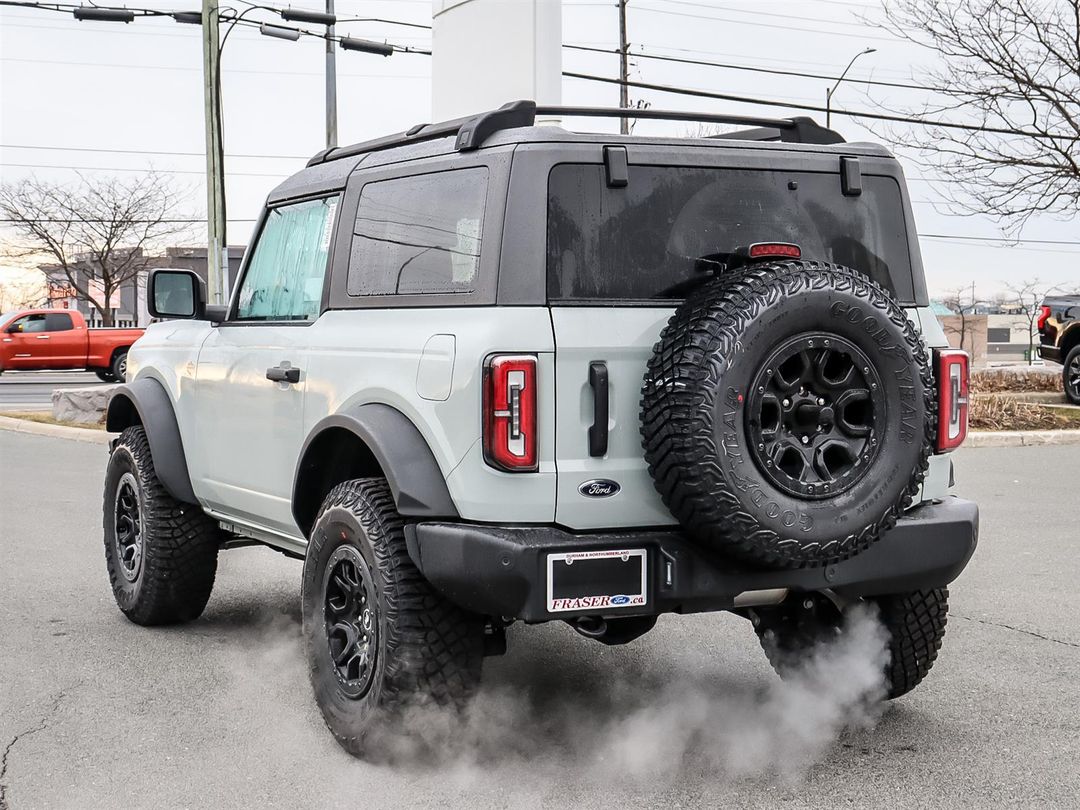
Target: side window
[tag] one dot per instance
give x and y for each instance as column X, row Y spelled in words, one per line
column 30, row 323
column 419, row 234
column 58, row 322
column 284, row 280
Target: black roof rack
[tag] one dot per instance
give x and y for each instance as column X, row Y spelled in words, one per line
column 472, row 131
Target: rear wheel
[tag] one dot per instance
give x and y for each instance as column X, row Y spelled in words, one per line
column 915, row 624
column 379, row 638
column 1070, row 375
column 161, row 554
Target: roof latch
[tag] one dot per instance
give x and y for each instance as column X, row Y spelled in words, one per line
column 850, row 177
column 616, row 167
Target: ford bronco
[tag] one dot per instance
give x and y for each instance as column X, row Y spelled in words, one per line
column 485, row 371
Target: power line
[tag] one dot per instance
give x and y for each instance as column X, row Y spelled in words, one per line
column 756, row 69
column 148, row 151
column 135, row 169
column 686, row 91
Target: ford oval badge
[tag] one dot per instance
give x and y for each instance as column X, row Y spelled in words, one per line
column 599, row 488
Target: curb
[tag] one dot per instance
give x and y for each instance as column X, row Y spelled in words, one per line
column 1020, row 438
column 56, row 431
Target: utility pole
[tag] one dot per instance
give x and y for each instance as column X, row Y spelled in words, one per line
column 217, row 254
column 331, row 83
column 624, row 73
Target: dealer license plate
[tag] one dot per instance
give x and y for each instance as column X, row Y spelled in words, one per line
column 606, row 579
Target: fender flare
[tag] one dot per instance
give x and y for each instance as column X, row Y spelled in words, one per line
column 402, row 453
column 146, row 402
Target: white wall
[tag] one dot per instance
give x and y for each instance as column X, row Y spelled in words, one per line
column 488, row 52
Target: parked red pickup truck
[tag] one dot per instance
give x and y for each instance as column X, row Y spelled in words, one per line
column 60, row 339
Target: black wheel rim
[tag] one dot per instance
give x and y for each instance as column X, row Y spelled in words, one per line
column 815, row 416
column 352, row 620
column 1072, row 376
column 127, row 512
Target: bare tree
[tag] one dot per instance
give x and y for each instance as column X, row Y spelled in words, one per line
column 962, row 302
column 98, row 232
column 1028, row 297
column 1006, row 65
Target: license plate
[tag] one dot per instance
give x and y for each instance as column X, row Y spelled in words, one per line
column 607, row 579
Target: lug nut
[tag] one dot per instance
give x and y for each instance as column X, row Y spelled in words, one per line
column 786, row 403
column 808, row 604
column 821, row 400
column 806, row 440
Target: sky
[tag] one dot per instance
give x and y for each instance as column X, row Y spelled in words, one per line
column 99, row 98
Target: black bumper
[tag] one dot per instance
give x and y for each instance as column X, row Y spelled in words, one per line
column 1052, row 353
column 501, row 570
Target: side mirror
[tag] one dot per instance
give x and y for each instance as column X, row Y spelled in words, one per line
column 174, row 294
column 14, row 329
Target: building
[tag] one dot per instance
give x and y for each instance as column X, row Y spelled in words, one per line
column 129, row 300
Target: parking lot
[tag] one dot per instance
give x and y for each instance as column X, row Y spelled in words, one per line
column 96, row 712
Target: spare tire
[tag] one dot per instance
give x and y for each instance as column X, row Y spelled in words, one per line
column 787, row 413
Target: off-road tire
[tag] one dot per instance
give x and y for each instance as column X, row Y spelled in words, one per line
column 695, row 411
column 105, row 375
column 914, row 621
column 428, row 651
column 179, row 544
column 119, row 366
column 1072, row 388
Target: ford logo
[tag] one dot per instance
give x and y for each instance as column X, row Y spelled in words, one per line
column 599, row 488
column 620, row 600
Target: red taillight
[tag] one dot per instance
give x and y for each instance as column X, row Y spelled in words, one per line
column 768, row 250
column 1044, row 313
column 510, row 412
column 952, row 380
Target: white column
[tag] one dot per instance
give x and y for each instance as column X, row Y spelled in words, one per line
column 488, row 52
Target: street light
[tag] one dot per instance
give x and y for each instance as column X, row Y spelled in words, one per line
column 831, row 90
column 279, row 32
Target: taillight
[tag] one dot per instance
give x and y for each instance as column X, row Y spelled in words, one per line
column 777, row 250
column 510, row 412
column 1044, row 313
column 952, row 380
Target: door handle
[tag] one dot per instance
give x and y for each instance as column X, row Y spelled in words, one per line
column 282, row 374
column 598, row 432
column 42, row 337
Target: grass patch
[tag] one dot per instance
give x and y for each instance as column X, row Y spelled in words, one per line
column 46, row 418
column 997, row 380
column 995, row 412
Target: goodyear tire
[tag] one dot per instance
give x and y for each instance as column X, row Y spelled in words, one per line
column 1070, row 375
column 380, row 640
column 161, row 554
column 787, row 413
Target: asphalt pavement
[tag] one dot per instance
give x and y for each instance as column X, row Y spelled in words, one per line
column 96, row 712
column 32, row 390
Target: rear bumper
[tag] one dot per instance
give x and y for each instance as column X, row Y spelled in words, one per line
column 1047, row 352
column 501, row 570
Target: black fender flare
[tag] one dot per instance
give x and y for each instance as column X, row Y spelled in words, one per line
column 146, row 402
column 401, row 452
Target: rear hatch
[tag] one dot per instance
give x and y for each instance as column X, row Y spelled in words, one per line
column 616, row 256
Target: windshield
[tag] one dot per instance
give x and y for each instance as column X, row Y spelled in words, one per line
column 7, row 316
column 640, row 242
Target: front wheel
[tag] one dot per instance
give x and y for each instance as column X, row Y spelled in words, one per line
column 105, row 375
column 914, row 623
column 161, row 554
column 379, row 638
column 1070, row 375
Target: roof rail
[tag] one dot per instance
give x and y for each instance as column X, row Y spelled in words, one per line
column 472, row 131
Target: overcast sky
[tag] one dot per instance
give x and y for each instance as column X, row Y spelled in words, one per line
column 108, row 97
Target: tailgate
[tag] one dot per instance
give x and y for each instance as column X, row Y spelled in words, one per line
column 622, row 339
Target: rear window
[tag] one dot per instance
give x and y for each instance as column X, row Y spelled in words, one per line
column 419, row 234
column 637, row 243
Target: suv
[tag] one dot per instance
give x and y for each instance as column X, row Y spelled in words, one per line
column 485, row 371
